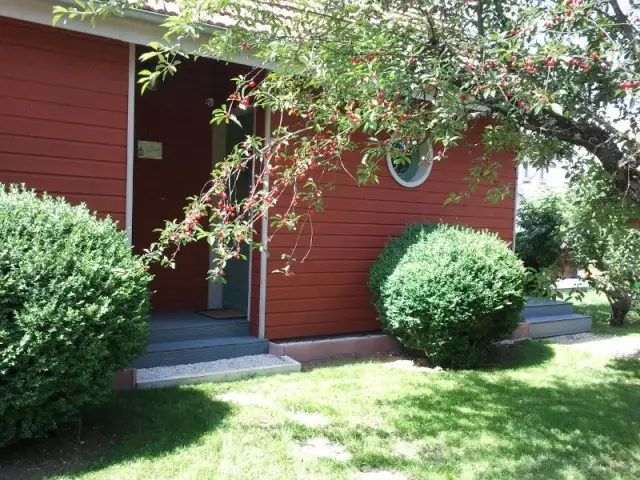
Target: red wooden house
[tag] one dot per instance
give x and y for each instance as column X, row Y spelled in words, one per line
column 72, row 123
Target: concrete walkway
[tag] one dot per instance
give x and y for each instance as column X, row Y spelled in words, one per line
column 603, row 345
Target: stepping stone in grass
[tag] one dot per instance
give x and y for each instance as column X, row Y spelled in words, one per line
column 323, row 448
column 411, row 366
column 310, row 419
column 378, row 475
column 244, row 399
column 407, row 450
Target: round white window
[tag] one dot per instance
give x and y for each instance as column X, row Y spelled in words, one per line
column 416, row 171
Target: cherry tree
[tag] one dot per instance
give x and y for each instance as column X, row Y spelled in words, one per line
column 545, row 79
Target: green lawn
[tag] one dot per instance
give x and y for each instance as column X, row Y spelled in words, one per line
column 544, row 412
column 596, row 305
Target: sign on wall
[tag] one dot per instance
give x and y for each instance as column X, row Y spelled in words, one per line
column 151, row 150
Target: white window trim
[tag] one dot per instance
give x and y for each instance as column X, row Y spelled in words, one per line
column 421, row 175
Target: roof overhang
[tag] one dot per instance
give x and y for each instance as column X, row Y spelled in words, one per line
column 139, row 27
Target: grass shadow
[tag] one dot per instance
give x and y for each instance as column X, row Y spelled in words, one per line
column 522, row 429
column 519, row 355
column 132, row 425
column 629, row 367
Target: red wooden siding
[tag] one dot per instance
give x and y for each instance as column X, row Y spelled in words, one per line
column 63, row 114
column 328, row 294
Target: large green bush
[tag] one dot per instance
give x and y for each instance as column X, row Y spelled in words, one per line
column 73, row 308
column 539, row 240
column 448, row 291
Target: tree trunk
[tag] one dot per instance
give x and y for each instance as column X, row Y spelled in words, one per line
column 620, row 306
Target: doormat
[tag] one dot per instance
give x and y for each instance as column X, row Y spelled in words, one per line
column 223, row 314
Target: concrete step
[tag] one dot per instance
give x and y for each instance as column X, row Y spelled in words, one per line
column 546, row 308
column 202, row 350
column 554, row 325
column 215, row 371
column 195, row 329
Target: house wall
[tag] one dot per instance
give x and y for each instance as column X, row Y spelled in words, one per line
column 63, row 114
column 328, row 293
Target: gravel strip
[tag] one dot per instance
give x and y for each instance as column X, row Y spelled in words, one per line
column 250, row 361
column 605, row 345
column 577, row 338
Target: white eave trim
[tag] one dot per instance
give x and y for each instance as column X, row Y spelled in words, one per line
column 138, row 27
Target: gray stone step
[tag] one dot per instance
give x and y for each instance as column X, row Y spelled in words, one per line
column 202, row 350
column 545, row 308
column 554, row 325
column 162, row 331
column 216, row 371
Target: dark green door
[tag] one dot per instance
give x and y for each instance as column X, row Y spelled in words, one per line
column 235, row 293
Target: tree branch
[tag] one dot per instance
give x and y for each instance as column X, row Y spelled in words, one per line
column 480, row 14
column 624, row 170
column 623, row 24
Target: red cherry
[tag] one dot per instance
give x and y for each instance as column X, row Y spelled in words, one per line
column 404, row 116
column 412, row 60
column 252, row 84
column 246, row 101
column 594, row 56
column 333, row 119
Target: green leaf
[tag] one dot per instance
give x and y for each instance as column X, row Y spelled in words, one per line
column 557, row 108
column 234, row 119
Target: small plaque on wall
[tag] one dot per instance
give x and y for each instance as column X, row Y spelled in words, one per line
column 151, row 150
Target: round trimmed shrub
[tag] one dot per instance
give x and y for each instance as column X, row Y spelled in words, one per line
column 448, row 291
column 74, row 303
